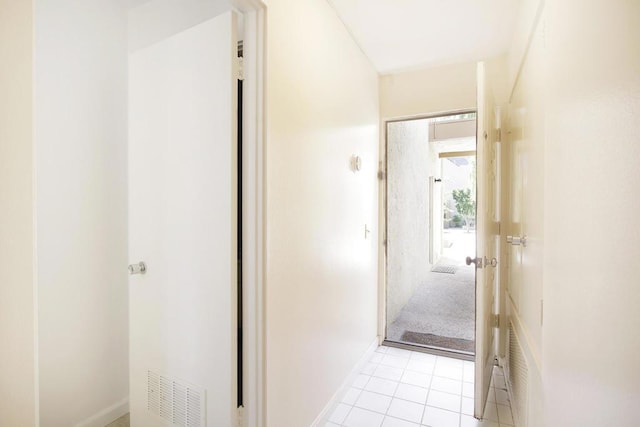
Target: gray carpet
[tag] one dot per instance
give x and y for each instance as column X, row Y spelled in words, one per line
column 443, row 305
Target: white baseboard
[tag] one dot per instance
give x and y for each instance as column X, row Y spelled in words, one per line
column 337, row 397
column 107, row 415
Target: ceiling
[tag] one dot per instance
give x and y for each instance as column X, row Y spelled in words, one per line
column 401, row 35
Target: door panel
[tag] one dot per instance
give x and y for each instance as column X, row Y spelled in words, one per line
column 486, row 241
column 182, row 224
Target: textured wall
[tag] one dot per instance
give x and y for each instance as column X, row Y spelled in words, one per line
column 410, row 162
column 574, row 154
column 591, row 344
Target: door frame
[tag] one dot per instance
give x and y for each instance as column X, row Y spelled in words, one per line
column 382, row 215
column 253, row 210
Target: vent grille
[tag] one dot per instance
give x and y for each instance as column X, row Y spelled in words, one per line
column 518, row 378
column 176, row 402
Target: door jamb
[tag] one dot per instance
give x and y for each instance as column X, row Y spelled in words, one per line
column 253, row 411
column 382, row 208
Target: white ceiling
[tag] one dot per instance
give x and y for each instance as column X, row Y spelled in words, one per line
column 400, row 35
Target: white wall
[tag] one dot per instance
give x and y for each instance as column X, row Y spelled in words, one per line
column 18, row 395
column 433, row 90
column 410, row 162
column 321, row 279
column 154, row 20
column 591, row 344
column 574, row 150
column 80, row 143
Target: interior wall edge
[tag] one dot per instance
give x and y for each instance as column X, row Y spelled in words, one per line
column 520, row 48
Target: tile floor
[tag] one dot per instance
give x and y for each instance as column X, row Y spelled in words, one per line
column 401, row 388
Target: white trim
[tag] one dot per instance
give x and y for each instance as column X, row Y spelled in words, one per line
column 432, row 115
column 107, row 415
column 253, row 413
column 382, row 206
column 346, row 384
column 531, row 351
column 382, row 234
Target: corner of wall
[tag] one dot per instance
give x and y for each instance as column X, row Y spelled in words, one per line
column 107, row 415
column 18, row 358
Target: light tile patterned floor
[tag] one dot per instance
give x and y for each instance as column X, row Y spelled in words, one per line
column 401, row 388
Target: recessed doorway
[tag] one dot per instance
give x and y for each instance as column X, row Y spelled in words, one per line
column 430, row 230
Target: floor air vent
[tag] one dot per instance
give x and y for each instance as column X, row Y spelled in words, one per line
column 518, row 378
column 176, row 402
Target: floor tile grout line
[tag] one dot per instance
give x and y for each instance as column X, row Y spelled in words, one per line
column 429, row 389
column 427, row 401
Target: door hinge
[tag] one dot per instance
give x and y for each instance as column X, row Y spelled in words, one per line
column 240, row 68
column 495, row 320
column 381, row 172
column 496, row 228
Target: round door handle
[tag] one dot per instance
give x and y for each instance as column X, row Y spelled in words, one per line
column 479, row 262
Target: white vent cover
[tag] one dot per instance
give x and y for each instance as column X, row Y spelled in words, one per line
column 175, row 401
column 518, row 378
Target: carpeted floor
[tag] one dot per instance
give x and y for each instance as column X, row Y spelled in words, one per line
column 444, row 305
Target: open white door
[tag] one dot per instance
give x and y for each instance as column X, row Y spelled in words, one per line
column 182, row 225
column 486, row 241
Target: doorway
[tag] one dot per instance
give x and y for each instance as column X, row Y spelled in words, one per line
column 195, row 220
column 430, row 230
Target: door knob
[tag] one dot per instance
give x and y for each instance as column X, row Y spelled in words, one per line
column 479, row 262
column 476, row 261
column 139, row 268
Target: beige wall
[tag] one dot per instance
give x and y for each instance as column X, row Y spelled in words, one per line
column 18, row 396
column 321, row 279
column 591, row 344
column 80, row 139
column 434, row 90
column 525, row 149
column 574, row 150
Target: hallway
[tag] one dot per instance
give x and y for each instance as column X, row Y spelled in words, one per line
column 134, row 166
column 401, row 388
